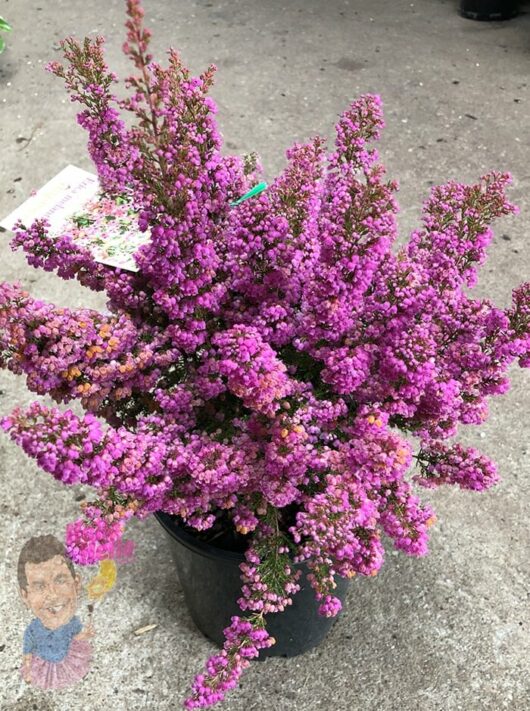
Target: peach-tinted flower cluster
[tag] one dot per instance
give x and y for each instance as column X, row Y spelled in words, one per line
column 262, row 362
column 104, row 360
column 251, row 368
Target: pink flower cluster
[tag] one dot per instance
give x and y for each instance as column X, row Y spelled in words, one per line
column 244, row 639
column 264, row 362
column 250, row 367
column 102, row 360
column 466, row 467
column 269, row 578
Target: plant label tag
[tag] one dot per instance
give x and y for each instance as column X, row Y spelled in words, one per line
column 74, row 206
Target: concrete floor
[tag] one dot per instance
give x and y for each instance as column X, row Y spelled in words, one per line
column 444, row 633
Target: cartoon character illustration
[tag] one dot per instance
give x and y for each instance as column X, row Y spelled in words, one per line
column 56, row 650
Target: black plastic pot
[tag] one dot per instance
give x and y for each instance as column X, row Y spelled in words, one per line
column 489, row 9
column 210, row 580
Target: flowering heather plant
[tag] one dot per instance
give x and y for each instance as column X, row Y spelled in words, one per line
column 260, row 367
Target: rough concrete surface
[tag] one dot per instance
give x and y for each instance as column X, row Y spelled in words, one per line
column 445, row 633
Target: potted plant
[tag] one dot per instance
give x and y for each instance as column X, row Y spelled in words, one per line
column 253, row 381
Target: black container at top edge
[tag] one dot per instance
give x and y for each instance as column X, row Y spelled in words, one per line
column 489, row 10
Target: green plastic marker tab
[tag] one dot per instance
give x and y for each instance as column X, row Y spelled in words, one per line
column 256, row 190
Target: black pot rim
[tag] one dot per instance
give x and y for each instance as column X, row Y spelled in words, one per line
column 194, row 544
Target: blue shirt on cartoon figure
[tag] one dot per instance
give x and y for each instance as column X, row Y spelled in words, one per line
column 50, row 645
